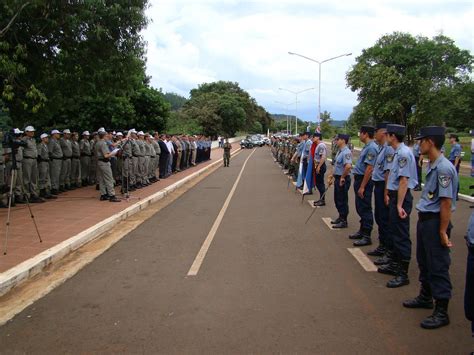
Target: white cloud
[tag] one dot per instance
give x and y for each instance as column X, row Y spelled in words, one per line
column 190, row 42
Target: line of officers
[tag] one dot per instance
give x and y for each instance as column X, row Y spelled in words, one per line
column 63, row 161
column 387, row 170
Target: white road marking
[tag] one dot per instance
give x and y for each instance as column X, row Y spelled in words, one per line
column 327, row 220
column 311, row 204
column 193, row 271
column 363, row 260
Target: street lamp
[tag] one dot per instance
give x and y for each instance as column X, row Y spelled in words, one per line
column 319, row 63
column 288, row 123
column 296, row 93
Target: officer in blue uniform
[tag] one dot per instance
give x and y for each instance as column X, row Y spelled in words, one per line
column 320, row 156
column 401, row 179
column 419, row 164
column 304, row 155
column 364, row 187
column 469, row 290
column 342, row 183
column 455, row 155
column 433, row 230
column 382, row 163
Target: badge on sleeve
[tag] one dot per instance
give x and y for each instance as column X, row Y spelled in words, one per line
column 402, row 162
column 389, row 158
column 444, row 180
column 348, row 156
column 370, row 156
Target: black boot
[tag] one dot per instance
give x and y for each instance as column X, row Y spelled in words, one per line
column 384, row 259
column 54, row 192
column 439, row 318
column 114, row 199
column 423, row 300
column 379, row 251
column 341, row 224
column 402, row 277
column 336, row 221
column 43, row 193
column 104, row 197
column 356, row 235
column 365, row 240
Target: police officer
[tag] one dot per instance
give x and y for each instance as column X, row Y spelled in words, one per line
column 379, row 175
column 104, row 170
column 66, row 147
column 419, row 164
column 227, row 147
column 469, row 290
column 55, row 161
column 455, row 155
column 303, row 154
column 156, row 162
column 433, row 230
column 86, row 156
column 342, row 180
column 401, row 180
column 320, row 156
column 363, row 186
column 75, row 162
column 30, row 166
column 44, row 180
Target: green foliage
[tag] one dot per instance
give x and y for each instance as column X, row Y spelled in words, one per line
column 180, row 123
column 412, row 81
column 176, row 101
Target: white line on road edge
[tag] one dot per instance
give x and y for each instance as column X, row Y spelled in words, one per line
column 363, row 260
column 207, row 242
column 327, row 220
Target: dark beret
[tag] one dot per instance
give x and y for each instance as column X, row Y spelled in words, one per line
column 396, row 129
column 431, row 131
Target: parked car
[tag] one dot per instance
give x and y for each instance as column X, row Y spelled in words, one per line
column 246, row 144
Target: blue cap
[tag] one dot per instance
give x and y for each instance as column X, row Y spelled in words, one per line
column 431, row 131
column 367, row 129
column 396, row 129
column 381, row 125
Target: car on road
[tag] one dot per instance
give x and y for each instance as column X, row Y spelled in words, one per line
column 246, row 144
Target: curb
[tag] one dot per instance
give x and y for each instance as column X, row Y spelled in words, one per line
column 33, row 266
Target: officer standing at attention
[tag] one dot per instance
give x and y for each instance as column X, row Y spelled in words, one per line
column 433, row 230
column 401, row 179
column 379, row 176
column 104, row 170
column 342, row 177
column 75, row 162
column 469, row 290
column 419, row 164
column 44, row 180
column 455, row 155
column 65, row 176
column 227, row 147
column 320, row 155
column 55, row 161
column 364, row 187
column 30, row 166
column 86, row 155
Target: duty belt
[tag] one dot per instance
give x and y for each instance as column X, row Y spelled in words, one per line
column 57, row 158
column 29, row 158
column 104, row 160
column 67, row 158
column 41, row 160
column 426, row 216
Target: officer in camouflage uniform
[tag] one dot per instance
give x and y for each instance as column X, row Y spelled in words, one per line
column 104, row 171
column 75, row 162
column 44, row 180
column 141, row 159
column 30, row 166
column 3, row 185
column 227, row 148
column 66, row 147
column 55, row 161
column 86, row 155
column 93, row 166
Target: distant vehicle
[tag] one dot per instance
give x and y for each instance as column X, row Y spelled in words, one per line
column 246, row 144
column 256, row 139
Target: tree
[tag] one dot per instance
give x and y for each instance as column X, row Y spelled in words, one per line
column 400, row 77
column 176, row 101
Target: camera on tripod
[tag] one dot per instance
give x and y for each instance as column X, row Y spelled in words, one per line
column 12, row 139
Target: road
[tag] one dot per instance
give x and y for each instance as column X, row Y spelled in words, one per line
column 267, row 284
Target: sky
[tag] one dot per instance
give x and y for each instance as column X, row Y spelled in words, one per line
column 190, row 42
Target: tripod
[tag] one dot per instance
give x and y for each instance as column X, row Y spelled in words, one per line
column 14, row 175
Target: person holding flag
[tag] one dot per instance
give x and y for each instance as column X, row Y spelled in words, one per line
column 320, row 155
column 308, row 183
column 303, row 153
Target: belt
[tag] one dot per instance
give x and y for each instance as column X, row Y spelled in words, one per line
column 357, row 176
column 40, row 160
column 67, row 158
column 104, row 160
column 57, row 158
column 86, row 155
column 76, row 157
column 426, row 216
column 29, row 158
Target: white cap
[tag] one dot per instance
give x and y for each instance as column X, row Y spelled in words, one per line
column 66, row 131
column 44, row 135
column 133, row 130
column 119, row 134
column 86, row 133
column 30, row 129
column 17, row 131
column 101, row 130
column 55, row 131
column 141, row 133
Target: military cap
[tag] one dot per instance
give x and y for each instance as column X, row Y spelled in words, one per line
column 66, row 131
column 381, row 125
column 30, row 129
column 17, row 131
column 141, row 133
column 44, row 135
column 55, row 131
column 101, row 130
column 367, row 129
column 396, row 129
column 86, row 133
column 342, row 136
column 119, row 134
column 431, row 131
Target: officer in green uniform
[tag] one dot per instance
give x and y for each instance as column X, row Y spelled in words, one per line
column 86, row 156
column 55, row 161
column 227, row 148
column 44, row 181
column 104, row 170
column 30, row 166
column 66, row 147
column 75, row 162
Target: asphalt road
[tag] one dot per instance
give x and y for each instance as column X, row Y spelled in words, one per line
column 268, row 283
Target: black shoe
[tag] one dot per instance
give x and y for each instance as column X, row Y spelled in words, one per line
column 336, row 221
column 423, row 300
column 319, row 203
column 357, row 235
column 439, row 318
column 402, row 277
column 62, row 189
column 389, row 269
column 104, row 197
column 51, row 197
column 341, row 224
column 114, row 199
column 364, row 241
column 42, row 193
column 384, row 260
column 379, row 251
column 54, row 192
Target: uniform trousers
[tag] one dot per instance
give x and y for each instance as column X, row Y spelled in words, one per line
column 364, row 205
column 399, row 228
column 341, row 196
column 381, row 213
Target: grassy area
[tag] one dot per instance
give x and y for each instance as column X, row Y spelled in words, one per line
column 464, row 183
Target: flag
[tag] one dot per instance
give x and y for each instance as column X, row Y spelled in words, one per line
column 318, row 129
column 309, row 178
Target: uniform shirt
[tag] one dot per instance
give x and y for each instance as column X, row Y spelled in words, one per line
column 342, row 158
column 76, row 151
column 141, row 145
column 455, row 152
column 382, row 162
column 126, row 146
column 320, row 152
column 227, row 147
column 85, row 147
column 55, row 150
column 101, row 149
column 30, row 151
column 441, row 181
column 367, row 156
column 156, row 146
column 470, row 231
column 403, row 165
column 43, row 152
column 306, row 148
column 135, row 148
column 416, row 150
column 66, row 147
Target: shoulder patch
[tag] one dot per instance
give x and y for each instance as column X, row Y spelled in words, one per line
column 402, row 162
column 370, row 156
column 348, row 156
column 389, row 158
column 444, row 180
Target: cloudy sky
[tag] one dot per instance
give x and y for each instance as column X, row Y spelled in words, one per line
column 196, row 41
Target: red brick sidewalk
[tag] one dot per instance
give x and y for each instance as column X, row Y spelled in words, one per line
column 72, row 213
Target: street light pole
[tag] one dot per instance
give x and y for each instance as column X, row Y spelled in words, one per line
column 296, row 93
column 288, row 122
column 319, row 63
